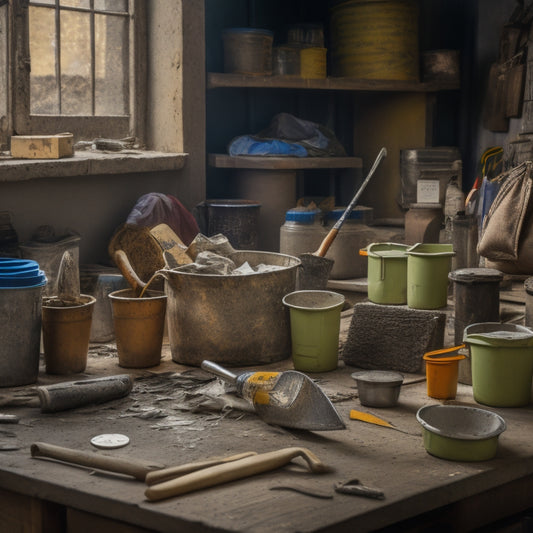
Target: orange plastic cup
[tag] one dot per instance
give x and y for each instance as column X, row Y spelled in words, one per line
column 442, row 372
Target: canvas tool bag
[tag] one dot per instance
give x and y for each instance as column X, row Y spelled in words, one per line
column 507, row 233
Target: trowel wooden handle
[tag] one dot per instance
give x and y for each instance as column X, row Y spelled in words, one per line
column 327, row 242
column 132, row 467
column 124, row 265
column 159, row 476
column 222, row 473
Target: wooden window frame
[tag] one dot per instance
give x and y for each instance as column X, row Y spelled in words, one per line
column 83, row 127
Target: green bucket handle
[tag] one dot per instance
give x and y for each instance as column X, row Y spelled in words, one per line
column 396, row 251
column 434, row 250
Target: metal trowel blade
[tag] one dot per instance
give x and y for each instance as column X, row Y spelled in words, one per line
column 314, row 272
column 297, row 402
column 68, row 279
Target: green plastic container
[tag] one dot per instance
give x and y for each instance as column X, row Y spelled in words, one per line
column 460, row 433
column 428, row 266
column 502, row 363
column 315, row 323
column 387, row 273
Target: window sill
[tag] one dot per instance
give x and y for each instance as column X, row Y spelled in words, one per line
column 85, row 163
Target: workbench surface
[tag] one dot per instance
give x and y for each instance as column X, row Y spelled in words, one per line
column 168, row 420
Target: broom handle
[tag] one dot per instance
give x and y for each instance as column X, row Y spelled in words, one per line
column 330, row 237
column 340, row 222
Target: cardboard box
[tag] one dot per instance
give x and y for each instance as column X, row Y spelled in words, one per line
column 42, row 146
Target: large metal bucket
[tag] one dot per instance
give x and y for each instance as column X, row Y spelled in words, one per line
column 236, row 320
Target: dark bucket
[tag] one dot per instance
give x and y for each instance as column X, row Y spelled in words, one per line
column 238, row 220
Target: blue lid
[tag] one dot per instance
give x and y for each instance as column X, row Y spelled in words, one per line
column 20, row 274
column 300, row 216
column 359, row 213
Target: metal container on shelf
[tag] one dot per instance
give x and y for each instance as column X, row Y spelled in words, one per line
column 433, row 163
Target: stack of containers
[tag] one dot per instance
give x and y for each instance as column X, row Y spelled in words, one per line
column 413, row 275
column 21, row 286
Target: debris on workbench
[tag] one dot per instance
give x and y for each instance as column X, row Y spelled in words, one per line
column 212, row 256
column 372, row 419
column 9, row 419
column 108, row 145
column 305, row 489
column 355, row 488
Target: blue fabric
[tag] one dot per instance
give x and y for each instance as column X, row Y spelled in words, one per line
column 248, row 145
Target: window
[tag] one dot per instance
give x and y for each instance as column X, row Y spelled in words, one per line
column 78, row 66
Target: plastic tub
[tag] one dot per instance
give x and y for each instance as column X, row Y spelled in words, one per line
column 48, row 255
column 428, row 266
column 315, row 325
column 387, row 273
column 502, row 363
column 459, row 433
column 21, row 288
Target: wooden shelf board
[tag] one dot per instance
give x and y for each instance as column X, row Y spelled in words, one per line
column 220, row 80
column 274, row 162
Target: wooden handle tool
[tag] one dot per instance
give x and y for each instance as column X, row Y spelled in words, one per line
column 132, row 467
column 142, row 470
column 222, row 473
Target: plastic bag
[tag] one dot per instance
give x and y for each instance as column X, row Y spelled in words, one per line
column 289, row 136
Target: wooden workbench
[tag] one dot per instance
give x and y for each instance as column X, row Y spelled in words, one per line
column 420, row 490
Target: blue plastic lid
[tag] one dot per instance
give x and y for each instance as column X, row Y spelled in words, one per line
column 20, row 274
column 301, row 217
column 356, row 214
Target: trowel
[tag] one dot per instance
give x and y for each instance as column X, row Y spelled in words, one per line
column 316, row 267
column 288, row 399
column 68, row 280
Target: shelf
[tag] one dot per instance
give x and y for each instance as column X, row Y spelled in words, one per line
column 273, row 162
column 220, row 80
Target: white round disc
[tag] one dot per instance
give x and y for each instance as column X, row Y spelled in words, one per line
column 110, row 440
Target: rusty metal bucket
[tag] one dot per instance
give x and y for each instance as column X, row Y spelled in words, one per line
column 236, row 319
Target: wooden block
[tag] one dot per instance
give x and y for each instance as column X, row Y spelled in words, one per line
column 42, row 146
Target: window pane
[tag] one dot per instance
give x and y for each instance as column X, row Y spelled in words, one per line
column 76, row 79
column 111, row 65
column 119, row 6
column 76, row 3
column 44, row 95
column 51, row 2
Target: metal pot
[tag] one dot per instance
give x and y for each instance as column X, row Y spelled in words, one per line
column 236, row 320
column 378, row 388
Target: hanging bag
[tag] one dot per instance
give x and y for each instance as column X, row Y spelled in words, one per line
column 507, row 236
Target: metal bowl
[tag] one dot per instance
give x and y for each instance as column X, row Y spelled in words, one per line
column 460, row 433
column 378, row 388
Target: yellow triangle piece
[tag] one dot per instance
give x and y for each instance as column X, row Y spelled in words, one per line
column 371, row 419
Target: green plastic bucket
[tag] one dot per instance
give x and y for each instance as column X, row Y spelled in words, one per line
column 315, row 324
column 428, row 266
column 387, row 273
column 502, row 363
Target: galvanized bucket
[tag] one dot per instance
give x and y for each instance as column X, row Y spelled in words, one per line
column 235, row 319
